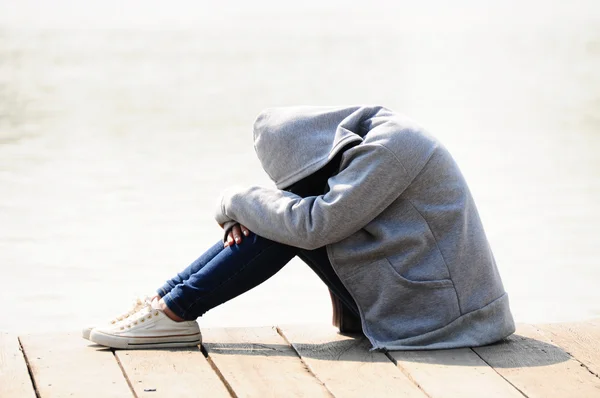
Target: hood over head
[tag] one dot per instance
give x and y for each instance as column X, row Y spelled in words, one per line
column 294, row 142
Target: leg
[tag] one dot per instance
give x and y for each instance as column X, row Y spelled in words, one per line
column 228, row 273
column 345, row 311
column 216, row 277
column 170, row 284
column 191, row 269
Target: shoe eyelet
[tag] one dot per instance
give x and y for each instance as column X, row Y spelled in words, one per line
column 143, row 320
column 156, row 313
column 122, row 328
column 135, row 323
column 150, row 316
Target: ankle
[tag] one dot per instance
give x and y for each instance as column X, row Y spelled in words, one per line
column 168, row 312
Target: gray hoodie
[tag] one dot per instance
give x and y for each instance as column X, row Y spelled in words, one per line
column 400, row 226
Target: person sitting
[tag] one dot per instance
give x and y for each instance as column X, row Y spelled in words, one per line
column 375, row 205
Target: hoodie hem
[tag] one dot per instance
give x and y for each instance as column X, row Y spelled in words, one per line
column 484, row 326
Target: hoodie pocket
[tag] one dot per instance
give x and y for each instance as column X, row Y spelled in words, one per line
column 397, row 308
column 430, row 284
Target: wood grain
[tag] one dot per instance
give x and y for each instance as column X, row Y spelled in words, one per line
column 171, row 373
column 346, row 365
column 456, row 373
column 538, row 368
column 14, row 376
column 67, row 365
column 581, row 340
column 257, row 362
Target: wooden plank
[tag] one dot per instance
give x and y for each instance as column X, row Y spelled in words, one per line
column 177, row 372
column 346, row 365
column 538, row 368
column 581, row 340
column 453, row 373
column 14, row 376
column 67, row 365
column 257, row 362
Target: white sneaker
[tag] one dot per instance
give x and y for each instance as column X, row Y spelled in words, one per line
column 148, row 328
column 137, row 305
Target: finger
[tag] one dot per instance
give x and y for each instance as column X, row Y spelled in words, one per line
column 229, row 239
column 245, row 230
column 237, row 234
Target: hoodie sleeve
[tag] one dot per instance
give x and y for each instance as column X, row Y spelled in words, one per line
column 367, row 184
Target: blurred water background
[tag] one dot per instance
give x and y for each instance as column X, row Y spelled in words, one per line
column 120, row 122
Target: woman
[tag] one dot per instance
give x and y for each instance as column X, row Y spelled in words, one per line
column 376, row 206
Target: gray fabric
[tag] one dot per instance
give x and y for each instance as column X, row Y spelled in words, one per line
column 400, row 226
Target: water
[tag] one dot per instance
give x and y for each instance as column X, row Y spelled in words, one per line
column 120, row 124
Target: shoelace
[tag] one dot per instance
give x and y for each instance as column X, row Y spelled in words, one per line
column 139, row 301
column 146, row 312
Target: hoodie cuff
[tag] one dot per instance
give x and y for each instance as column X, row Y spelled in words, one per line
column 220, row 217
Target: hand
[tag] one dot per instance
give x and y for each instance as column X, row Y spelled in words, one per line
column 235, row 235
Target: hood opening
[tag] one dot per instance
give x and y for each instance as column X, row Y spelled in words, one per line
column 316, row 183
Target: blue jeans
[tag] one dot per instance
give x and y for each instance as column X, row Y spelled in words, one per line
column 221, row 274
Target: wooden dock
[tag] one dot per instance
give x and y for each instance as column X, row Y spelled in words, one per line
column 554, row 360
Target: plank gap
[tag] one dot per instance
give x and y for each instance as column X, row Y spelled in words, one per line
column 347, row 365
column 64, row 364
column 580, row 339
column 124, row 373
column 308, row 368
column 549, row 334
column 538, row 366
column 406, row 373
column 215, row 368
column 257, row 361
column 499, row 374
column 583, row 365
column 29, row 371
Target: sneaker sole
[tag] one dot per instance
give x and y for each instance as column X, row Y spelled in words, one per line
column 132, row 343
